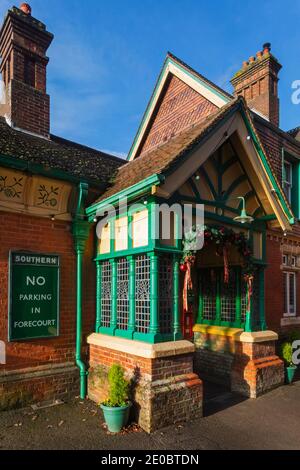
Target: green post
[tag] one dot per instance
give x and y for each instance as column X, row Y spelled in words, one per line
column 238, row 300
column 176, row 324
column 114, row 295
column 262, row 317
column 154, row 321
column 200, row 306
column 98, row 297
column 131, row 320
column 249, row 314
column 218, row 298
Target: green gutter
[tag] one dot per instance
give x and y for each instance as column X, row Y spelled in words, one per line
column 80, row 230
column 265, row 163
column 38, row 169
column 130, row 193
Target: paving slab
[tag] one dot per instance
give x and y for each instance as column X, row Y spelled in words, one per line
column 230, row 422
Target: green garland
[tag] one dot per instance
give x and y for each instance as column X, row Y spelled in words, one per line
column 221, row 236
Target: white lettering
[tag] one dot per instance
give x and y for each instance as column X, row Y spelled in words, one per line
column 296, row 94
column 296, row 354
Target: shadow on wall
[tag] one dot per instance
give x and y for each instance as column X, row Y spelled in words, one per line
column 219, row 361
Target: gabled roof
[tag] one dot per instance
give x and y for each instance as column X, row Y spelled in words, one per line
column 158, row 160
column 198, row 82
column 164, row 159
column 58, row 154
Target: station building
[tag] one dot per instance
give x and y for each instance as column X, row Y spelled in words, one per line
column 120, row 291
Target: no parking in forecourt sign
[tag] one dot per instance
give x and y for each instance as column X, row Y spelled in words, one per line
column 33, row 296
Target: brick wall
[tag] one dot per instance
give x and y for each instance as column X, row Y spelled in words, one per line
column 29, row 108
column 274, row 282
column 256, row 369
column 42, row 235
column 180, row 107
column 250, row 369
column 165, row 390
column 257, row 82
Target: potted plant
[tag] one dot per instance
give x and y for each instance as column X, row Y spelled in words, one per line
column 287, row 355
column 116, row 407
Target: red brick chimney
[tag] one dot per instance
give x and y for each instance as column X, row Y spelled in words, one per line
column 23, row 45
column 257, row 82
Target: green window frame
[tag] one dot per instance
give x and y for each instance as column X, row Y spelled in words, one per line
column 221, row 304
column 291, row 180
column 139, row 313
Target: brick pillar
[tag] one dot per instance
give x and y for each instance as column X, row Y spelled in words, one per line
column 256, row 368
column 165, row 390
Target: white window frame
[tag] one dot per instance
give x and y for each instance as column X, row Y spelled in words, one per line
column 284, row 260
column 288, row 180
column 293, row 261
column 287, row 279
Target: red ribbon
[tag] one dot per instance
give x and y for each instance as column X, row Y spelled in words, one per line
column 226, row 264
column 249, row 279
column 188, row 282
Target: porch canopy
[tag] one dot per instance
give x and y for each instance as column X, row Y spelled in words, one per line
column 139, row 283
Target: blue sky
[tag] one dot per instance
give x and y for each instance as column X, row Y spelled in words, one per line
column 107, row 54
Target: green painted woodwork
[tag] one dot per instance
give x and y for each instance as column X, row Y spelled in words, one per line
column 262, row 316
column 238, row 300
column 80, row 231
column 131, row 193
column 114, row 295
column 218, row 300
column 154, row 335
column 176, row 308
column 30, row 279
column 221, row 196
column 80, row 363
column 265, row 163
column 131, row 320
column 154, row 321
column 295, row 162
column 38, row 169
column 217, row 321
column 98, row 296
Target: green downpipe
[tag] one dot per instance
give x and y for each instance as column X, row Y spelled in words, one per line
column 80, row 230
column 81, row 365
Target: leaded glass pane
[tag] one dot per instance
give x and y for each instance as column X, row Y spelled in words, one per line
column 209, row 292
column 106, row 286
column 123, row 293
column 244, row 300
column 165, row 294
column 228, row 298
column 142, row 293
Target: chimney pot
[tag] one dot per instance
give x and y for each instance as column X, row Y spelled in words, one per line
column 258, row 83
column 245, row 64
column 267, row 47
column 26, row 8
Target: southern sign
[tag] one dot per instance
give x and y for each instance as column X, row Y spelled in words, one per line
column 34, row 296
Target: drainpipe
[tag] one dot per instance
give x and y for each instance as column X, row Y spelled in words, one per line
column 80, row 230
